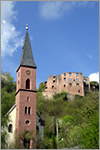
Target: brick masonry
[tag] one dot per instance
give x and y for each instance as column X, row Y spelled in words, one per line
column 26, row 98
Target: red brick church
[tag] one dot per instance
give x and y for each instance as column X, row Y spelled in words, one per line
column 23, row 114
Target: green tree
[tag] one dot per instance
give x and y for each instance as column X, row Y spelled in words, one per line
column 7, row 101
column 90, row 134
column 42, row 87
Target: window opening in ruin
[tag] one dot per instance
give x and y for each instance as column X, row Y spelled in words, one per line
column 78, row 91
column 84, row 80
column 70, row 84
column 70, row 79
column 28, row 84
column 77, row 84
column 29, row 110
column 64, row 74
column 25, row 110
column 77, row 79
column 46, row 83
column 70, row 73
column 53, row 81
column 64, row 79
column 77, row 74
column 64, row 85
column 74, row 80
column 10, row 128
column 46, row 87
column 54, row 77
column 52, row 86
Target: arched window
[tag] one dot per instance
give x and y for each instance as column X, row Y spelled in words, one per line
column 29, row 110
column 25, row 110
column 70, row 84
column 28, row 84
column 10, row 128
column 77, row 84
column 37, row 128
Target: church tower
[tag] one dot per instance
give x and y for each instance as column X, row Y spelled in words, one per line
column 26, row 91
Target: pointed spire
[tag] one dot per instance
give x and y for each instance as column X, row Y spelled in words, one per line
column 27, row 57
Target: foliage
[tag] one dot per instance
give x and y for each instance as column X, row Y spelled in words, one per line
column 42, row 87
column 4, row 144
column 24, row 137
column 7, row 101
column 78, row 124
column 62, row 95
column 94, row 83
column 67, row 119
column 54, row 144
column 44, row 144
column 90, row 134
column 76, row 121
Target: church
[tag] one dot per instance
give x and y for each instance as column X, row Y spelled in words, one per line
column 23, row 116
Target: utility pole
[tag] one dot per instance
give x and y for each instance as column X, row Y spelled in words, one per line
column 57, row 130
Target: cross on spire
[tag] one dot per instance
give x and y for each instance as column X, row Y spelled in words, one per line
column 26, row 25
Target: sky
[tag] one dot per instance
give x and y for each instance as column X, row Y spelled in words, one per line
column 64, row 37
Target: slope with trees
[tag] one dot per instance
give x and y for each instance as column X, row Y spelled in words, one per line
column 68, row 124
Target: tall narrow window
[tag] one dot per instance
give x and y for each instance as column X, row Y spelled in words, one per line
column 25, row 110
column 70, row 79
column 52, row 86
column 78, row 91
column 37, row 128
column 70, row 74
column 64, row 74
column 28, row 84
column 54, row 77
column 70, row 84
column 29, row 110
column 77, row 74
column 64, row 79
column 10, row 128
column 64, row 85
column 28, row 99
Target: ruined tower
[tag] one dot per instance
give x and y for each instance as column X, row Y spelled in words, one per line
column 26, row 91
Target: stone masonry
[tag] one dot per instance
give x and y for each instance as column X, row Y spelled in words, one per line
column 72, row 82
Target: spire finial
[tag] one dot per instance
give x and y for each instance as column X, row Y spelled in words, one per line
column 26, row 25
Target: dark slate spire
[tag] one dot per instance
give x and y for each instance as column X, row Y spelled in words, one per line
column 27, row 57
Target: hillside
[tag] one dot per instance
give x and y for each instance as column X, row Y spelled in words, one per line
column 68, row 124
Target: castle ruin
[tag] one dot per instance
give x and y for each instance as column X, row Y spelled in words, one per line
column 72, row 82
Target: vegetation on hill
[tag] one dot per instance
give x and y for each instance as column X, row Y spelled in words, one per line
column 68, row 124
column 8, row 88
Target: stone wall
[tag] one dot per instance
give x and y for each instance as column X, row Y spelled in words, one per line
column 72, row 82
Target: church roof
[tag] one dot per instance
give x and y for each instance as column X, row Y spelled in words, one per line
column 27, row 56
